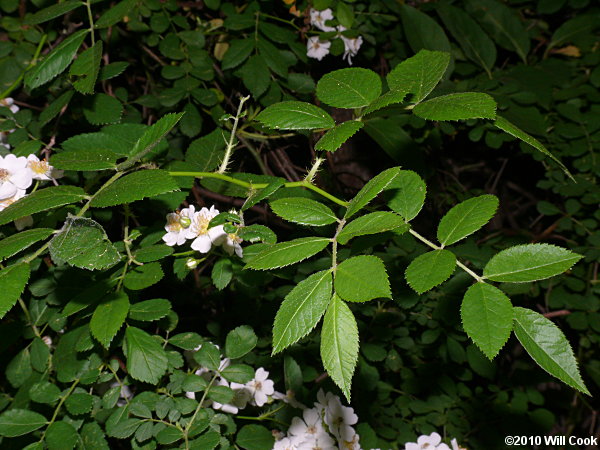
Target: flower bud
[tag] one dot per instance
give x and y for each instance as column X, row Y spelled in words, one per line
column 185, row 221
column 192, row 263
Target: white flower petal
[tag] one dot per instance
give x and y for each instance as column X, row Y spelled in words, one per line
column 202, row 244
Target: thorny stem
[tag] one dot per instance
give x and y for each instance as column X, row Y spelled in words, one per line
column 248, row 185
column 231, row 144
column 435, row 247
column 310, row 176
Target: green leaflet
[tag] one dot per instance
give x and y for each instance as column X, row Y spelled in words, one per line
column 114, row 14
column 101, row 109
column 85, row 159
column 422, row 32
column 509, row 128
column 83, row 243
column 478, row 47
column 387, row 99
column 56, row 61
column 222, row 273
column 487, row 317
column 146, row 359
column 13, row 280
column 86, row 68
column 430, row 269
column 466, row 218
column 150, row 138
column 135, row 186
column 141, row 277
column 339, row 344
column 301, row 310
column 502, row 24
column 42, row 200
column 461, row 106
column 17, row 422
column 406, row 194
column 51, row 12
column 548, row 346
column 373, row 223
column 292, row 115
column 18, row 242
column 254, row 437
column 335, row 138
column 286, row 253
column 191, row 122
column 150, row 310
column 255, row 75
column 303, row 211
column 206, row 153
column 419, row 74
column 238, row 52
column 108, row 318
column 574, row 28
column 240, row 341
column 529, row 262
column 370, row 190
column 61, row 435
column 362, row 278
column 254, row 233
column 352, row 87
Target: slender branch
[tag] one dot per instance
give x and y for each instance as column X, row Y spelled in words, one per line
column 248, row 185
column 435, row 247
column 88, row 5
column 60, row 403
column 231, row 144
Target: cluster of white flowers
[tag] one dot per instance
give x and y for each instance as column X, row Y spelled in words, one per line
column 318, row 49
column 17, row 175
column 431, row 442
column 256, row 392
column 327, row 426
column 191, row 224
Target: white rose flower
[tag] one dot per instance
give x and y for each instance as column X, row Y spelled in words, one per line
column 289, row 398
column 241, row 396
column 354, row 444
column 177, row 226
column 232, row 244
column 318, row 19
column 9, row 201
column 425, row 442
column 41, row 169
column 340, row 419
column 14, row 176
column 310, row 432
column 351, row 47
column 317, row 49
column 286, row 443
column 204, row 238
column 261, row 387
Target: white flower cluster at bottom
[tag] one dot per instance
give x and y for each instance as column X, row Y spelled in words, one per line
column 327, row 426
column 191, row 224
column 431, row 442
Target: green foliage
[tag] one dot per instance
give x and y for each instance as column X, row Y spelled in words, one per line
column 362, row 278
column 349, row 88
column 547, row 345
column 303, row 211
column 487, row 317
column 339, row 344
column 293, row 115
column 371, row 190
column 430, row 269
column 373, row 223
column 146, row 359
column 467, row 105
column 13, row 280
column 18, row 422
column 286, row 253
column 302, row 309
column 135, row 186
column 109, row 317
column 529, row 262
column 466, row 218
column 20, row 241
column 334, row 138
